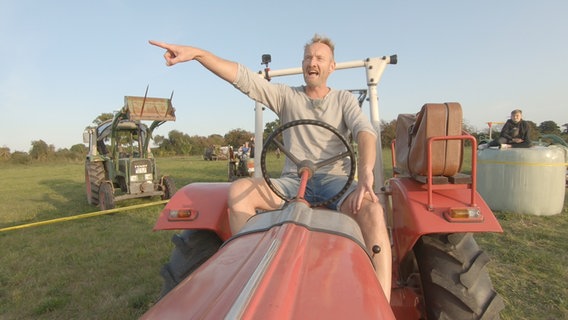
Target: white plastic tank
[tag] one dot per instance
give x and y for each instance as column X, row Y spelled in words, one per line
column 523, row 180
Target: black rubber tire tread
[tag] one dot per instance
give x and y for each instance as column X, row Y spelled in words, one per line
column 106, row 196
column 169, row 187
column 192, row 249
column 455, row 280
column 94, row 176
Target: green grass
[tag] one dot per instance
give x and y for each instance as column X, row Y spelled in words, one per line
column 530, row 264
column 107, row 267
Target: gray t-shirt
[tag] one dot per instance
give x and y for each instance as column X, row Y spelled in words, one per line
column 339, row 108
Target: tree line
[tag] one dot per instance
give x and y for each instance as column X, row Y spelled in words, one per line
column 177, row 143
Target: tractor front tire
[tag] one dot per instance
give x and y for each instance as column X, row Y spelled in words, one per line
column 106, row 196
column 169, row 187
column 192, row 249
column 455, row 280
column 94, row 175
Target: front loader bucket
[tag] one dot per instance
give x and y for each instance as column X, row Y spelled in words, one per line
column 146, row 108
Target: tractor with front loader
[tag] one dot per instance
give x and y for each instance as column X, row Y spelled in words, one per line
column 120, row 164
column 307, row 262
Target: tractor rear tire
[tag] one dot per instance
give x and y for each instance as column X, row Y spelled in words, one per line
column 106, row 196
column 192, row 249
column 169, row 187
column 94, row 176
column 455, row 280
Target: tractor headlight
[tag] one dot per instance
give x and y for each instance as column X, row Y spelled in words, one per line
column 133, row 178
column 148, row 177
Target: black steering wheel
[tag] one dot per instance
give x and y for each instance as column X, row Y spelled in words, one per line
column 307, row 164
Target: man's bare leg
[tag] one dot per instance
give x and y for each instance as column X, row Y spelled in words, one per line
column 372, row 222
column 245, row 197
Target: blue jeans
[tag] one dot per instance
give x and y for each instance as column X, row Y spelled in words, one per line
column 320, row 187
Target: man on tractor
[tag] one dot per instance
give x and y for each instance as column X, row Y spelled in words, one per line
column 314, row 100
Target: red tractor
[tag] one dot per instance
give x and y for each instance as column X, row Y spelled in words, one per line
column 305, row 262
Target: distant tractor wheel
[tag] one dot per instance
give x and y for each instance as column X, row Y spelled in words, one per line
column 169, row 187
column 94, row 175
column 192, row 249
column 242, row 169
column 106, row 196
column 232, row 171
column 454, row 277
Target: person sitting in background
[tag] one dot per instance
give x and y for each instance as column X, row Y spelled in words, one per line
column 245, row 149
column 515, row 133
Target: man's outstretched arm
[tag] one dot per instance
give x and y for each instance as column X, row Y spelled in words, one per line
column 225, row 69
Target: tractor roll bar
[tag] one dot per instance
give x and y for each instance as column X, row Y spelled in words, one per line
column 374, row 68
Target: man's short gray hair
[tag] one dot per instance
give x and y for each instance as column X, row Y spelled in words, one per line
column 324, row 40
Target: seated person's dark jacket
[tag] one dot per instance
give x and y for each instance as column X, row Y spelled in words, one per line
column 513, row 130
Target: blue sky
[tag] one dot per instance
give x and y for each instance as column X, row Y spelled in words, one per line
column 62, row 63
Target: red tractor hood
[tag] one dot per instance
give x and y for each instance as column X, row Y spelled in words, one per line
column 298, row 263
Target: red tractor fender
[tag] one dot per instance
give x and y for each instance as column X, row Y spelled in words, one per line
column 412, row 218
column 201, row 206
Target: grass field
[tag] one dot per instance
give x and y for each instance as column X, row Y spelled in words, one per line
column 107, row 267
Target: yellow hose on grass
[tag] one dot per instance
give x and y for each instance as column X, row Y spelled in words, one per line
column 82, row 216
